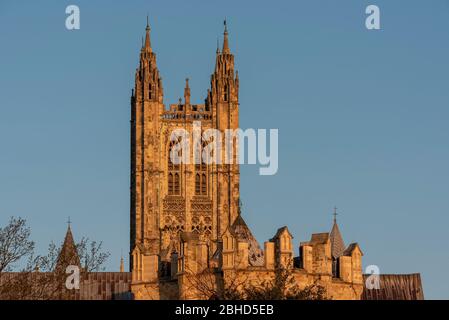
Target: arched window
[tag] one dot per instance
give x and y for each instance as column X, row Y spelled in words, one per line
column 336, row 268
column 177, row 186
column 174, row 173
column 170, row 183
column 197, row 184
column 203, row 184
column 201, row 173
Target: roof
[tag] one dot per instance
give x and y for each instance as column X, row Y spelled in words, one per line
column 395, row 287
column 348, row 251
column 317, row 238
column 93, row 286
column 280, row 231
column 337, row 244
column 243, row 234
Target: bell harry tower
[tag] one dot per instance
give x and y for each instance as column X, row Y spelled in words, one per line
column 167, row 199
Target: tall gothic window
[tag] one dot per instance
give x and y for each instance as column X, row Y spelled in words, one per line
column 174, row 174
column 335, row 268
column 201, row 174
column 197, row 184
column 226, row 89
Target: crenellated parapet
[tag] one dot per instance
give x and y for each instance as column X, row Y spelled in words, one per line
column 189, row 113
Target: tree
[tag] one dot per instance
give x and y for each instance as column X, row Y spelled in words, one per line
column 209, row 283
column 91, row 255
column 284, row 287
column 15, row 243
column 43, row 277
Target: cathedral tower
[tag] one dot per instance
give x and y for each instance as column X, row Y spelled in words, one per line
column 169, row 199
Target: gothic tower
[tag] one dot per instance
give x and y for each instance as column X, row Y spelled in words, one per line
column 223, row 100
column 168, row 199
column 146, row 110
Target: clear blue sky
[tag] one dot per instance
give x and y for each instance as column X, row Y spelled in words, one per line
column 363, row 117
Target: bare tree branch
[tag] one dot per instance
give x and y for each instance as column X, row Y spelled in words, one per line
column 15, row 243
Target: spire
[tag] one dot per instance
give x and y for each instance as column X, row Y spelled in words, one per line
column 187, row 92
column 218, row 46
column 226, row 41
column 68, row 255
column 147, row 37
column 337, row 244
column 335, row 215
column 242, row 233
column 122, row 265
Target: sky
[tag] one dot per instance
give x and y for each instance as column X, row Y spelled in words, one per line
column 363, row 118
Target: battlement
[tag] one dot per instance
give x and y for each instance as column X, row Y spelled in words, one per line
column 187, row 112
column 236, row 259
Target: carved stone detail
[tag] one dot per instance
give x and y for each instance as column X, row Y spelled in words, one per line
column 174, row 205
column 201, row 205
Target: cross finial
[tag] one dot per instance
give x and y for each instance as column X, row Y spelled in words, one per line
column 335, row 214
column 225, row 25
column 69, row 222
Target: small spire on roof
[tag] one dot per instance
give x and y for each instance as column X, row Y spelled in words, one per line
column 335, row 214
column 147, row 37
column 68, row 254
column 122, row 264
column 225, row 41
column 218, row 46
column 187, row 92
column 337, row 243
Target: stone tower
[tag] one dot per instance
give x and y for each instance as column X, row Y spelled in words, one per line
column 168, row 199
